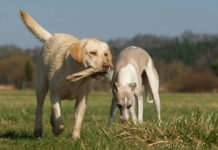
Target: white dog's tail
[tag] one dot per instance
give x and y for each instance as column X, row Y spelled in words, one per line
column 34, row 27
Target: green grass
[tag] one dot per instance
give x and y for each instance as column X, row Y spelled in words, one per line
column 189, row 122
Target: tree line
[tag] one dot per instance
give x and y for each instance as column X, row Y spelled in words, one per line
column 186, row 63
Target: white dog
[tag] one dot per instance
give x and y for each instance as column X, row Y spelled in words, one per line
column 62, row 55
column 133, row 71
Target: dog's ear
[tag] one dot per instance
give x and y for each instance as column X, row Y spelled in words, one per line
column 77, row 52
column 116, row 86
column 110, row 59
column 132, row 86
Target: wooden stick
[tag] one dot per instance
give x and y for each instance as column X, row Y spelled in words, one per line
column 82, row 74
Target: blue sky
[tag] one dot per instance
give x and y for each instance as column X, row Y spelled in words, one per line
column 104, row 20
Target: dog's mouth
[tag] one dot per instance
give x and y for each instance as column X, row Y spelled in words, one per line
column 99, row 75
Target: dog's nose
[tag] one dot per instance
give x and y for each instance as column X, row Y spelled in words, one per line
column 105, row 66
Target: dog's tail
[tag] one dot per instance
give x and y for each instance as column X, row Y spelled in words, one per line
column 34, row 27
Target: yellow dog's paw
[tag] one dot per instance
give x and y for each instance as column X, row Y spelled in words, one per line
column 76, row 134
column 38, row 132
column 58, row 130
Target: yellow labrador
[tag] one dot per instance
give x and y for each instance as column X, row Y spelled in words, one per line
column 62, row 55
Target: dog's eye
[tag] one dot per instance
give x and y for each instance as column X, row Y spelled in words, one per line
column 93, row 53
column 118, row 105
column 128, row 106
column 105, row 54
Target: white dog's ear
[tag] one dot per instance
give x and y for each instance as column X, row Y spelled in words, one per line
column 132, row 86
column 116, row 86
column 77, row 52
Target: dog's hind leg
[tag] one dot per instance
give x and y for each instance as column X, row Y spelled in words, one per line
column 41, row 88
column 154, row 85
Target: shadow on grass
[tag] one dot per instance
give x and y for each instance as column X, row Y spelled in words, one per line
column 17, row 135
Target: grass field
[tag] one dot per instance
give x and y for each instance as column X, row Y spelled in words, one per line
column 189, row 122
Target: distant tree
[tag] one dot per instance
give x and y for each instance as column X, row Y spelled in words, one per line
column 188, row 47
column 10, row 50
column 214, row 67
column 16, row 66
column 28, row 72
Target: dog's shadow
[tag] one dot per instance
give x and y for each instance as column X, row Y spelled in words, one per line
column 11, row 134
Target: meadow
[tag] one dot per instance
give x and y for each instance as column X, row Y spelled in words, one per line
column 189, row 122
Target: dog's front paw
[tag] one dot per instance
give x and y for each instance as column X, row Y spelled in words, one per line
column 76, row 134
column 58, row 130
column 140, row 121
column 159, row 123
column 38, row 132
